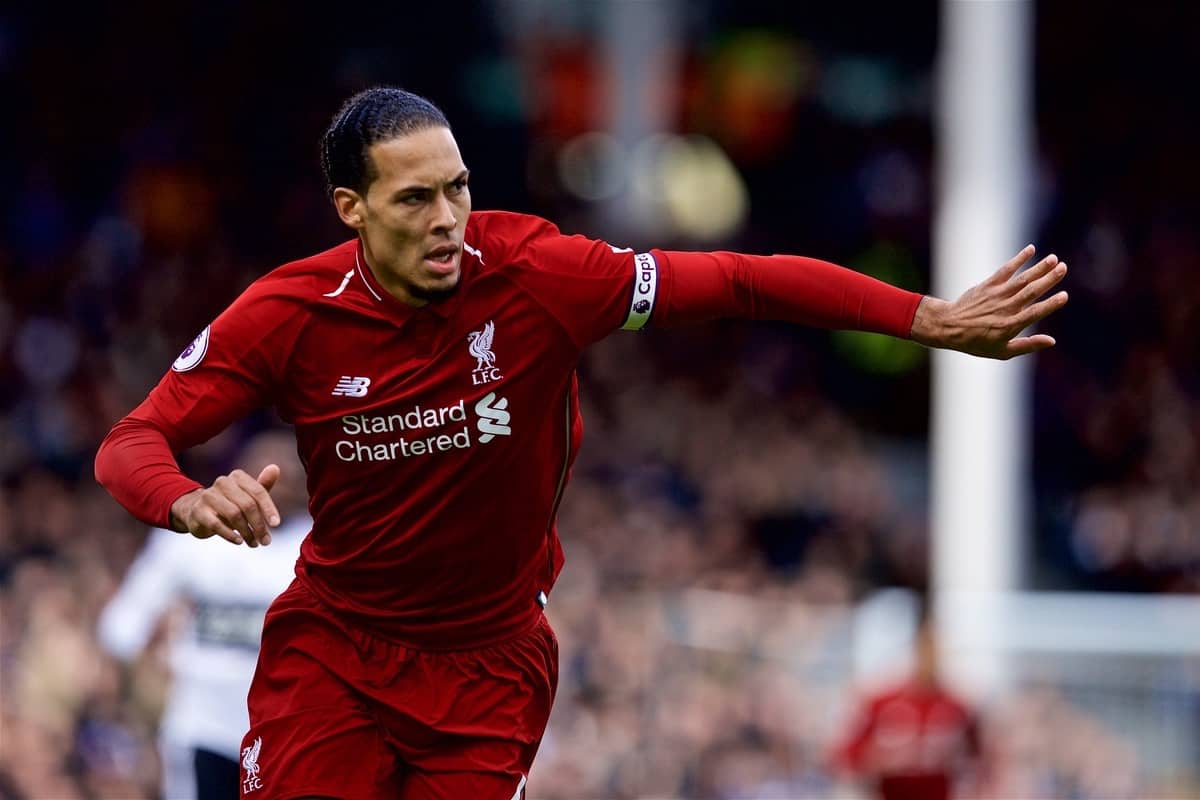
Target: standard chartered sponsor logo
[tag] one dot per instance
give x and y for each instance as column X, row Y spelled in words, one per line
column 421, row 430
column 415, row 419
column 493, row 419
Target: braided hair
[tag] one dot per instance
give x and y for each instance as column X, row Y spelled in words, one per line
column 373, row 115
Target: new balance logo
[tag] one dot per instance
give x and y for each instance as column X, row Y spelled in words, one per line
column 493, row 418
column 351, row 387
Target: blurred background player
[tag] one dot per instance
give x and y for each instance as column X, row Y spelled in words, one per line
column 916, row 739
column 226, row 592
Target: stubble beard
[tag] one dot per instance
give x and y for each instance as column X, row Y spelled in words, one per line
column 435, row 295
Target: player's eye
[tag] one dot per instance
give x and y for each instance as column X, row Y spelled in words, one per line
column 457, row 186
column 413, row 199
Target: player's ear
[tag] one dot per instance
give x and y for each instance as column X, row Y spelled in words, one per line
column 349, row 205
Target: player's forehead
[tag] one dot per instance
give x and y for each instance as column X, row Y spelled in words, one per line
column 427, row 157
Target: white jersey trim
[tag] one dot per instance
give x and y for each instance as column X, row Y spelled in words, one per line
column 366, row 283
column 645, row 292
column 345, row 281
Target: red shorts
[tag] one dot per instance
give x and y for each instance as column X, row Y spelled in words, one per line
column 335, row 712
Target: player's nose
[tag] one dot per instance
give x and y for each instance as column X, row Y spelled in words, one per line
column 444, row 218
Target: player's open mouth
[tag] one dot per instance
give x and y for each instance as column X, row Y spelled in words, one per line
column 441, row 259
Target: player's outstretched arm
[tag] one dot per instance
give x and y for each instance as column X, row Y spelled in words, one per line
column 986, row 320
column 236, row 507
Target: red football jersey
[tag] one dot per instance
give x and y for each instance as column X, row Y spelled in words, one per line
column 913, row 740
column 438, row 440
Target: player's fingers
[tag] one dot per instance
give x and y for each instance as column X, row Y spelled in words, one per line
column 1028, row 344
column 1040, row 286
column 268, row 476
column 266, row 481
column 233, row 505
column 262, row 513
column 1036, row 271
column 256, row 504
column 208, row 523
column 1011, row 266
column 1039, row 311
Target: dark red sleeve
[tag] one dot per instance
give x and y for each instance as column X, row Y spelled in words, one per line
column 137, row 466
column 231, row 368
column 593, row 288
column 701, row 286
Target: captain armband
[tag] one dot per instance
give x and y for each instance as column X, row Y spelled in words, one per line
column 645, row 291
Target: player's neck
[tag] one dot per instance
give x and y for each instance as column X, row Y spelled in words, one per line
column 393, row 286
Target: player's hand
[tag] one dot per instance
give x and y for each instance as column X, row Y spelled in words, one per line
column 987, row 319
column 236, row 507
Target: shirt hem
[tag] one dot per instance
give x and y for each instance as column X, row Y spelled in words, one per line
column 360, row 624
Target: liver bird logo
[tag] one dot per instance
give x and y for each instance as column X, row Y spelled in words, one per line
column 480, row 346
column 250, row 758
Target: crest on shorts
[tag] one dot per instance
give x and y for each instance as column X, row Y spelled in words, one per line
column 250, row 764
column 193, row 354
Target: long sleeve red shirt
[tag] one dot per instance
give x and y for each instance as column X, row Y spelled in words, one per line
column 438, row 440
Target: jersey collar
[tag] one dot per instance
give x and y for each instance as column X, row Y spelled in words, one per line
column 396, row 307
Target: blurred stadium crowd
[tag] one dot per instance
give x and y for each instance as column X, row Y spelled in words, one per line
column 152, row 176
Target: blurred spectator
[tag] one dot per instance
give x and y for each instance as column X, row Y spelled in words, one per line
column 916, row 740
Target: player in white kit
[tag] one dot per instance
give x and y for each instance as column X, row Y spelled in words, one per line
column 227, row 591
